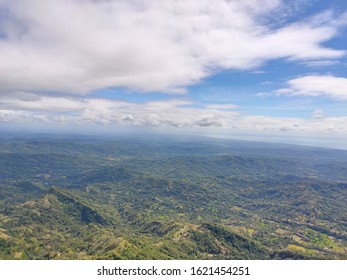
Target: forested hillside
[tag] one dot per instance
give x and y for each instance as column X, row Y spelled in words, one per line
column 165, row 197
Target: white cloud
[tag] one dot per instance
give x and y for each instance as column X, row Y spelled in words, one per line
column 73, row 110
column 258, row 72
column 317, row 85
column 180, row 113
column 75, row 46
column 317, row 114
column 35, row 102
column 321, row 63
column 264, row 94
column 265, row 83
column 221, row 106
column 324, row 125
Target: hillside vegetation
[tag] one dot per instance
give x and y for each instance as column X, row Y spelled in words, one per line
column 170, row 198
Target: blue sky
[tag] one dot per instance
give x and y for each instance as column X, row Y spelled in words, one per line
column 269, row 68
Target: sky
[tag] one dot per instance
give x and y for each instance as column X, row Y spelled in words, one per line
column 260, row 69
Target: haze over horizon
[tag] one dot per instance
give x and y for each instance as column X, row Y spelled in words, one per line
column 265, row 70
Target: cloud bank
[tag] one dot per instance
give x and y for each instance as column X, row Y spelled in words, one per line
column 64, row 110
column 179, row 113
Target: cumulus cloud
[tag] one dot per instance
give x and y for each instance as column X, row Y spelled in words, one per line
column 75, row 110
column 75, row 46
column 316, row 85
column 178, row 113
column 325, row 125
